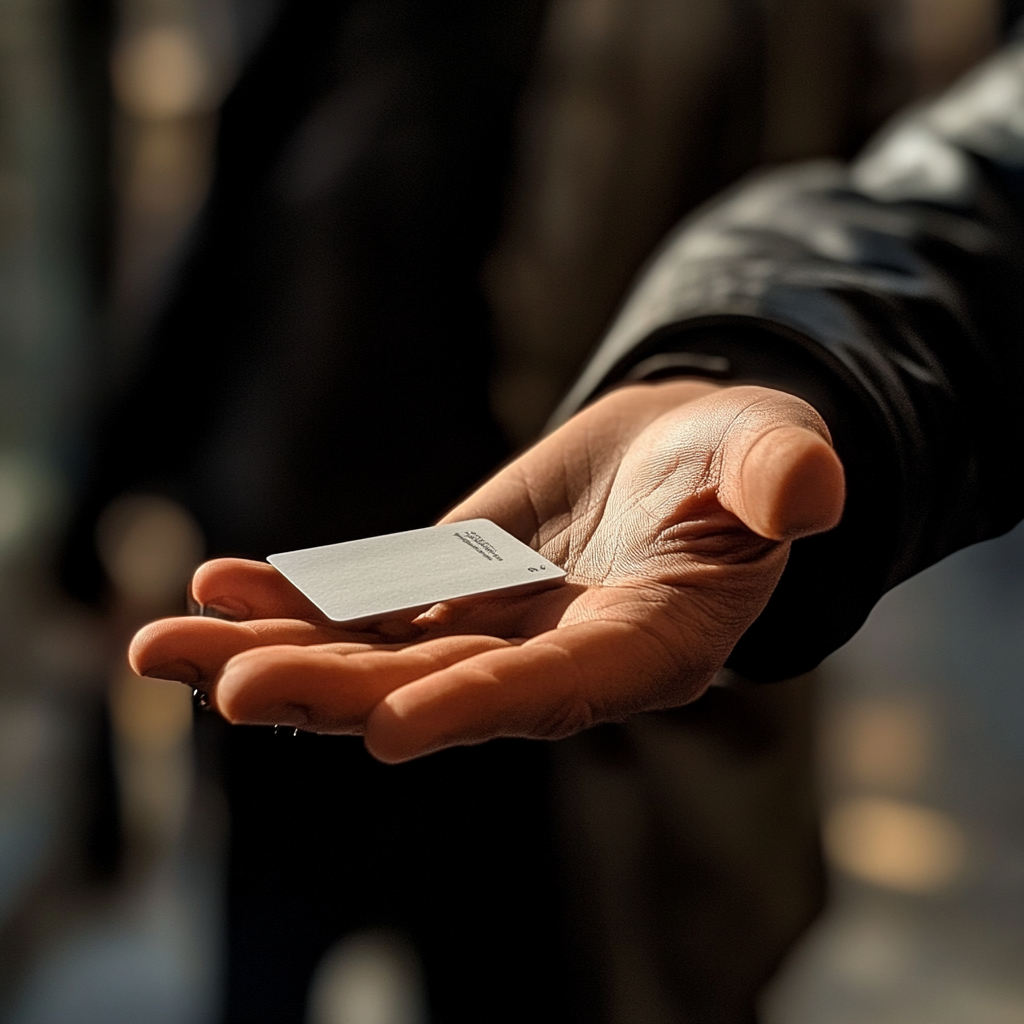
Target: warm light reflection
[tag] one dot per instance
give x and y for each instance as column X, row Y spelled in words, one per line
column 149, row 547
column 895, row 844
column 883, row 744
column 369, row 977
column 152, row 721
column 151, row 713
column 161, row 73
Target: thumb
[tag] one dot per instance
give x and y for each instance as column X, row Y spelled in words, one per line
column 785, row 480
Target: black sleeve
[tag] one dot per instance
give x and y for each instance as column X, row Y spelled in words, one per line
column 890, row 295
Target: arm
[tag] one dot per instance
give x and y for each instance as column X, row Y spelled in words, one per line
column 888, row 295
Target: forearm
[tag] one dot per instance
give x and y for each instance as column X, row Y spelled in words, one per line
column 890, row 305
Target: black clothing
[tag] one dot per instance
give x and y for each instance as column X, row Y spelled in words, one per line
column 329, row 313
column 890, row 295
column 320, row 373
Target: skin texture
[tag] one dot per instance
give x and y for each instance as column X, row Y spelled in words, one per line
column 671, row 506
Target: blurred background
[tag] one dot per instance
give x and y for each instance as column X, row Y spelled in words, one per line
column 112, row 820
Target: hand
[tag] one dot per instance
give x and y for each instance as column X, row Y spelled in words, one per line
column 671, row 506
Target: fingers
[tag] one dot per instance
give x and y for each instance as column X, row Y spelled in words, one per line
column 193, row 650
column 791, row 485
column 237, row 588
column 330, row 691
column 549, row 687
column 778, row 471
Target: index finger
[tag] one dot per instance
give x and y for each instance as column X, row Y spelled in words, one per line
column 193, row 650
column 237, row 588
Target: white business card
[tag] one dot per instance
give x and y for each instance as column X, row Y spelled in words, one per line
column 360, row 582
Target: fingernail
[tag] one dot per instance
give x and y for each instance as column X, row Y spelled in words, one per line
column 226, row 608
column 179, row 671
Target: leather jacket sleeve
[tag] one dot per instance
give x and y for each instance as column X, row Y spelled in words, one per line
column 890, row 295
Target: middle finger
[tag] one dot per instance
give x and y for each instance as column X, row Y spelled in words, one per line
column 193, row 650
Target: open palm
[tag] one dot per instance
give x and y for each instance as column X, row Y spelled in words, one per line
column 671, row 506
